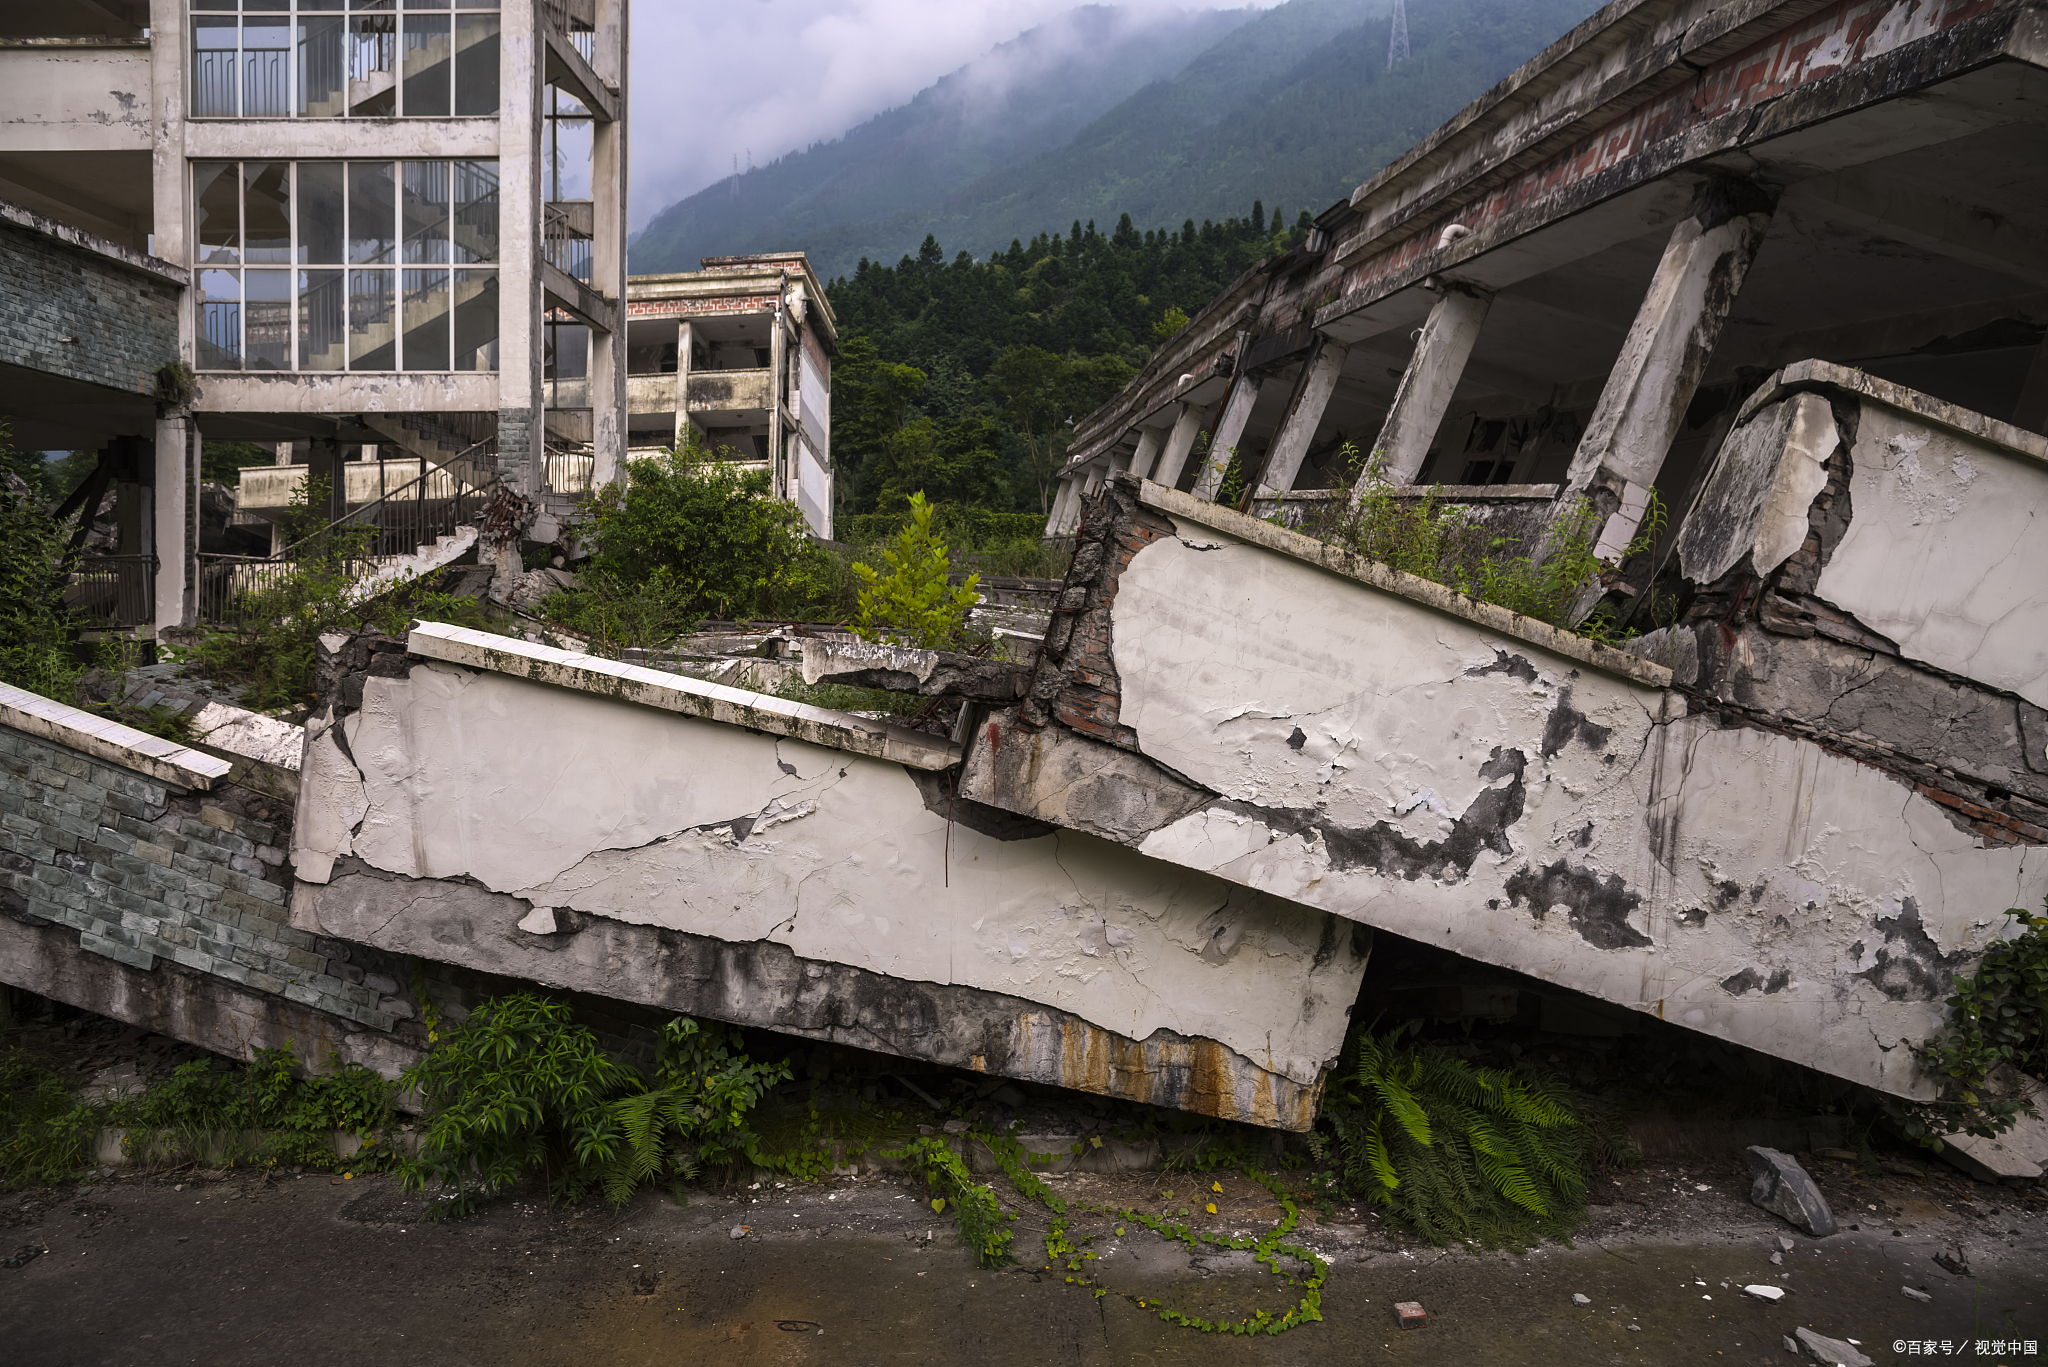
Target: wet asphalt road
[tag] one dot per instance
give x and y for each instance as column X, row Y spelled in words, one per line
column 310, row 1270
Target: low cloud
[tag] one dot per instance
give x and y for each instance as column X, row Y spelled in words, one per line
column 715, row 81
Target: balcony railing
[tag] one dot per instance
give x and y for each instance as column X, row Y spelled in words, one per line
column 563, row 246
column 114, row 591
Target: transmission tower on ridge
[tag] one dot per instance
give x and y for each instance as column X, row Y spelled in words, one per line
column 1397, row 43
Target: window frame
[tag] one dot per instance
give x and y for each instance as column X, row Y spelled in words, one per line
column 447, row 270
column 445, row 20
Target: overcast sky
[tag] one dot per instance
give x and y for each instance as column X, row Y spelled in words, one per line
column 713, row 79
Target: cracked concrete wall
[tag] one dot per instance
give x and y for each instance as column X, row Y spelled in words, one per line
column 480, row 818
column 1947, row 553
column 1375, row 747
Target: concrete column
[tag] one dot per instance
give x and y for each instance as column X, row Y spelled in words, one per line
column 176, row 530
column 1150, row 440
column 326, row 459
column 607, row 407
column 608, row 420
column 1441, row 350
column 778, row 459
column 1180, row 440
column 522, row 442
column 1298, row 429
column 1666, row 351
column 684, row 342
column 1063, row 505
column 1237, row 410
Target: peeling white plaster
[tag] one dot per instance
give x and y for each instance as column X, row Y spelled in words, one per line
column 1946, row 553
column 578, row 802
column 1744, row 851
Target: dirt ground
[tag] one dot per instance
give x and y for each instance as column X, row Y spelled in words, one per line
column 237, row 1267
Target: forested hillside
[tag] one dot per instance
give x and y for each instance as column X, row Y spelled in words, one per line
column 1309, row 134
column 962, row 378
column 1025, row 97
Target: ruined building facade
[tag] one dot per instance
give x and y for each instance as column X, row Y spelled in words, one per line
column 337, row 223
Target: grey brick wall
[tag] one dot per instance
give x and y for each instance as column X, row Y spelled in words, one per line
column 125, row 322
column 145, row 871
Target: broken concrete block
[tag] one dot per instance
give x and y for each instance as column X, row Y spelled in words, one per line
column 2021, row 1152
column 1765, row 1292
column 1831, row 1351
column 1410, row 1314
column 1579, row 1299
column 1914, row 1293
column 1783, row 1188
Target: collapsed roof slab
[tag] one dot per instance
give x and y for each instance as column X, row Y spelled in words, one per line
column 657, row 839
column 1225, row 695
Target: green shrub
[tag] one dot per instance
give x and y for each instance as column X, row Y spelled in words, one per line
column 724, row 543
column 1997, row 1019
column 36, row 629
column 1452, row 1150
column 46, row 1133
column 914, row 603
column 206, row 1111
column 519, row 1089
column 271, row 647
column 1447, row 544
column 966, row 529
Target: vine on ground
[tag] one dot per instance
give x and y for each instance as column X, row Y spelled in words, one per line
column 980, row 1214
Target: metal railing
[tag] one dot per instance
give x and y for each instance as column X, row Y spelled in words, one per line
column 564, row 247
column 431, row 505
column 114, row 591
column 234, row 588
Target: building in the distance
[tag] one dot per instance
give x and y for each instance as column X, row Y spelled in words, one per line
column 740, row 351
column 337, row 222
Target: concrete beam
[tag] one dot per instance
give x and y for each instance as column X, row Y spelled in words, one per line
column 1442, row 348
column 1933, row 222
column 567, row 69
column 1320, row 373
column 565, row 291
column 1665, row 354
column 1237, row 411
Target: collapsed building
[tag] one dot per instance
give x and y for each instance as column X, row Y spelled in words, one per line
column 1779, row 263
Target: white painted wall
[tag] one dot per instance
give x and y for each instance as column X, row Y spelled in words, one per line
column 570, row 799
column 1947, row 554
column 1309, row 699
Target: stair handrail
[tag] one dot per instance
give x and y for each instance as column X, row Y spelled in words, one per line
column 421, row 478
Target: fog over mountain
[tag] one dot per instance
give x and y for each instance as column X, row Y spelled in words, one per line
column 1022, row 97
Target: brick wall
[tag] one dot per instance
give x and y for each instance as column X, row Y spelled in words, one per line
column 1076, row 682
column 124, row 321
column 144, row 870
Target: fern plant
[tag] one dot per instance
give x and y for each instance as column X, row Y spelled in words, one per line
column 1451, row 1149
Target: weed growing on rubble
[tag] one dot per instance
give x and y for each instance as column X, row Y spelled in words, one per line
column 271, row 644
column 1451, row 1150
column 914, row 603
column 980, row 1215
column 206, row 1111
column 46, row 1133
column 1447, row 544
column 1997, row 1024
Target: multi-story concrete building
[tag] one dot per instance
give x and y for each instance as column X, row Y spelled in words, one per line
column 332, row 221
column 740, row 352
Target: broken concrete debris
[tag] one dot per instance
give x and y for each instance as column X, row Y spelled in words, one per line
column 1782, row 1187
column 1914, row 1293
column 1833, row 1352
column 1410, row 1314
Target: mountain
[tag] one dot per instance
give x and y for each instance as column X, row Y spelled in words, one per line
column 1303, row 135
column 1024, row 97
